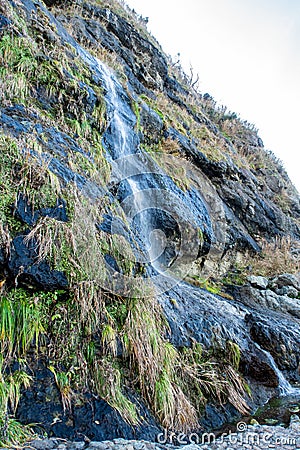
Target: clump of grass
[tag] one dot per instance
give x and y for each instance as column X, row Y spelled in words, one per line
column 13, row 434
column 107, row 378
column 214, row 375
column 173, row 408
column 62, row 380
column 118, row 247
column 233, row 354
column 18, row 66
column 23, row 174
column 109, row 340
column 13, row 384
column 10, row 157
column 164, row 154
column 155, row 360
column 199, row 376
column 90, row 303
column 49, row 235
column 236, row 390
column 276, row 257
column 21, row 323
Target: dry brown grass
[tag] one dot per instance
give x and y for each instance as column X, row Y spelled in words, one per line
column 49, row 235
column 235, row 390
column 154, row 360
column 276, row 257
column 212, row 144
column 173, row 408
column 5, row 239
column 213, row 376
column 90, row 302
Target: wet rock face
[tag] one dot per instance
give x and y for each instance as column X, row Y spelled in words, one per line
column 281, row 338
column 258, row 282
column 260, row 371
column 151, row 124
column 286, row 280
column 248, row 211
column 24, row 267
column 274, row 319
column 90, row 418
column 21, row 264
column 26, row 213
column 144, row 64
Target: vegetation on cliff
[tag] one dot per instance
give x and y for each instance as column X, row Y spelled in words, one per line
column 62, row 305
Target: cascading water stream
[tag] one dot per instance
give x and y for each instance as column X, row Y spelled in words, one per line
column 132, row 173
column 284, row 386
column 120, row 141
column 123, row 135
column 155, row 238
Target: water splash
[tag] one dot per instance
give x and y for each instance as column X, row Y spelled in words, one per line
column 284, row 386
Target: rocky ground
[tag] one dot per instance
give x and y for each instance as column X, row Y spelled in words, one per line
column 248, row 437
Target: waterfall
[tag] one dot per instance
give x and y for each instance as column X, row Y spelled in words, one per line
column 121, row 140
column 165, row 215
column 284, row 386
column 169, row 225
column 148, row 196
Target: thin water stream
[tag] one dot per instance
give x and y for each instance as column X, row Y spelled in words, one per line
column 284, row 386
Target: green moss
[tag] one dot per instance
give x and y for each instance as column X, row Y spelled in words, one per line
column 136, row 110
column 234, row 354
column 205, row 283
column 153, row 105
column 236, row 275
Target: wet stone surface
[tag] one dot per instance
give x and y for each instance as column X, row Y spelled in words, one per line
column 253, row 437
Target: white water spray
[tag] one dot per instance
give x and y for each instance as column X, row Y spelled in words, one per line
column 284, row 386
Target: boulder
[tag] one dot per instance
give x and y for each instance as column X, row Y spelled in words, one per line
column 258, row 282
column 287, row 279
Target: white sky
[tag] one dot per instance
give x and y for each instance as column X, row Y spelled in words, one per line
column 247, row 55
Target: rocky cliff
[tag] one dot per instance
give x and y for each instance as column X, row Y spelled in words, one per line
column 149, row 243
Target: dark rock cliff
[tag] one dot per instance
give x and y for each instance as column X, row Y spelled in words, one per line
column 132, row 210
